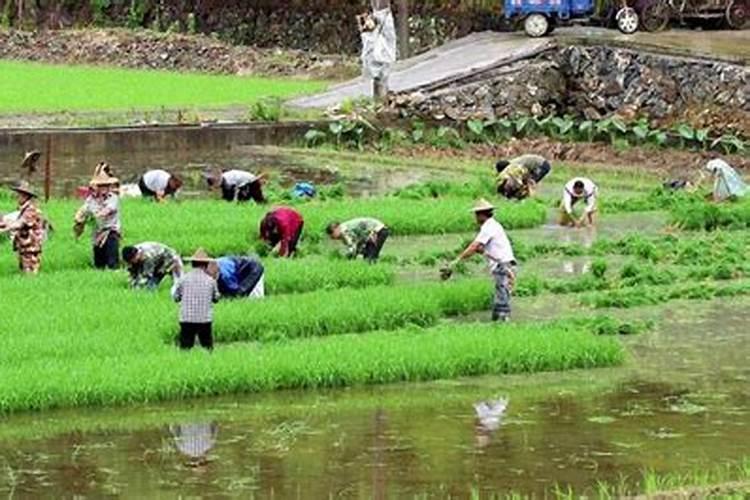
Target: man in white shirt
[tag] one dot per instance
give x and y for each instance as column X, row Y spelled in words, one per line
column 159, row 183
column 576, row 190
column 493, row 243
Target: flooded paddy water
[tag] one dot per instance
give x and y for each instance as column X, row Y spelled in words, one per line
column 680, row 402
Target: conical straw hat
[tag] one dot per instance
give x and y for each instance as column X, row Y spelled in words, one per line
column 482, row 205
column 30, row 159
column 25, row 188
column 200, row 255
column 103, row 179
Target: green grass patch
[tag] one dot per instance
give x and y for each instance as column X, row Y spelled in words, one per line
column 34, row 87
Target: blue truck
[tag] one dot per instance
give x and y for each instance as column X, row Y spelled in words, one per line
column 540, row 17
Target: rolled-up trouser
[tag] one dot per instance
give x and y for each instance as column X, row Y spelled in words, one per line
column 107, row 254
column 30, row 262
column 372, row 249
column 501, row 301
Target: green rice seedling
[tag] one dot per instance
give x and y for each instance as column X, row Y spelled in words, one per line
column 349, row 311
column 650, row 295
column 703, row 215
column 230, row 229
column 76, row 88
column 306, row 275
column 375, row 358
column 599, row 269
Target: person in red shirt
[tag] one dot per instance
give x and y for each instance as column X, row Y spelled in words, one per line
column 282, row 226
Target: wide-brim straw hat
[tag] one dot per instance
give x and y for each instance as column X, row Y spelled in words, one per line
column 482, row 205
column 25, row 188
column 200, row 255
column 30, row 158
column 103, row 179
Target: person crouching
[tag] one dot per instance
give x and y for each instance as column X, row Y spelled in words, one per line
column 149, row 263
column 197, row 292
column 240, row 277
column 364, row 236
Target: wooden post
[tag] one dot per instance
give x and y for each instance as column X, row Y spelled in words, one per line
column 48, row 169
column 402, row 24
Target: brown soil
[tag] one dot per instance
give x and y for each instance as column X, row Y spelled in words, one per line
column 151, row 50
column 673, row 162
column 738, row 489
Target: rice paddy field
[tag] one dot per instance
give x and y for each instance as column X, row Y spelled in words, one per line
column 59, row 88
column 624, row 370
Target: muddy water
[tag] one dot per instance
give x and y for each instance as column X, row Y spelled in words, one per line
column 682, row 403
column 282, row 167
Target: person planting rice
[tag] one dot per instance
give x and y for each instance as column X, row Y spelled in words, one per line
column 493, row 243
column 103, row 206
column 27, row 230
column 728, row 184
column 363, row 236
column 238, row 185
column 283, row 227
column 517, row 179
column 240, row 277
column 579, row 189
column 149, row 263
column 159, row 184
column 197, row 292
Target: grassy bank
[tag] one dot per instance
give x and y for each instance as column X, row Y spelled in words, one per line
column 33, row 87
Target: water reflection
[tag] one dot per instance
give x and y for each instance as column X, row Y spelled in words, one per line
column 490, row 416
column 682, row 406
column 194, row 441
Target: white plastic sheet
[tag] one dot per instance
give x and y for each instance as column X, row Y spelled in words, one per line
column 379, row 46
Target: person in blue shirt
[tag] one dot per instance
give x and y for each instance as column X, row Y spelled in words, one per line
column 240, row 277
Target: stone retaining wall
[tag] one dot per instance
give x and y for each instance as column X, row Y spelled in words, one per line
column 596, row 82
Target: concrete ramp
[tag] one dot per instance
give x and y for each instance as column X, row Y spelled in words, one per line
column 454, row 60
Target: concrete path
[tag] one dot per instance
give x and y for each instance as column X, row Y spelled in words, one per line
column 488, row 49
column 467, row 55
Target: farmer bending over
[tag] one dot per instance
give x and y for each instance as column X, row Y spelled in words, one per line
column 197, row 292
column 149, row 263
column 158, row 184
column 27, row 230
column 364, row 236
column 517, row 178
column 493, row 243
column 728, row 184
column 103, row 206
column 283, row 227
column 579, row 189
column 240, row 277
column 238, row 185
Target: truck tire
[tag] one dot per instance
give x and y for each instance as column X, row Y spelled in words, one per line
column 737, row 14
column 627, row 20
column 536, row 25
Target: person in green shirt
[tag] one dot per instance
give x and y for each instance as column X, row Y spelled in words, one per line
column 363, row 236
column 517, row 178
